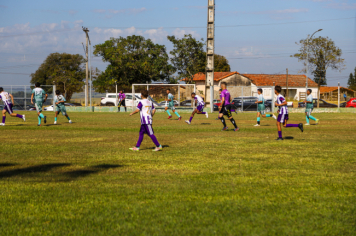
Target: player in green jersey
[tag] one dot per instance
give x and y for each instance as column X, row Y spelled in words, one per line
column 59, row 100
column 261, row 107
column 309, row 106
column 170, row 105
column 37, row 94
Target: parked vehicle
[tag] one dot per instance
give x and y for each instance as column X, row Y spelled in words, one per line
column 248, row 104
column 322, row 103
column 110, row 99
column 186, row 103
column 351, row 103
column 163, row 103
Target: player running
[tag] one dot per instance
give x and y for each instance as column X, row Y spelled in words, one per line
column 261, row 107
column 170, row 101
column 38, row 93
column 199, row 102
column 147, row 110
column 8, row 100
column 283, row 113
column 122, row 98
column 309, row 106
column 225, row 108
column 59, row 100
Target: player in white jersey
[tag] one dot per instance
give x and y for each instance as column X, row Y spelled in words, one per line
column 281, row 103
column 147, row 110
column 8, row 101
column 199, row 102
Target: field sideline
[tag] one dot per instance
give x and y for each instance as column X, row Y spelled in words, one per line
column 82, row 179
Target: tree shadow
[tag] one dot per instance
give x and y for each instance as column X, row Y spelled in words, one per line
column 7, row 164
column 31, row 170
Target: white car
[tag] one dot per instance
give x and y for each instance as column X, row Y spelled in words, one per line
column 110, row 99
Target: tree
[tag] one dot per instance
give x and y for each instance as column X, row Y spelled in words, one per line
column 64, row 70
column 352, row 81
column 323, row 54
column 221, row 64
column 188, row 57
column 131, row 60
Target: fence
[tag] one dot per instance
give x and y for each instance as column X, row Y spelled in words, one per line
column 22, row 95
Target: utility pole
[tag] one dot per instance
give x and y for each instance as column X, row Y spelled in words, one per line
column 86, row 31
column 210, row 51
column 287, row 86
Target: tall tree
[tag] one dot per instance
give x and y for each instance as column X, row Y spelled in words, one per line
column 352, row 81
column 64, row 70
column 323, row 54
column 221, row 64
column 131, row 60
column 188, row 56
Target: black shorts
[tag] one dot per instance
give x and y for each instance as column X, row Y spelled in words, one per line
column 122, row 103
column 226, row 110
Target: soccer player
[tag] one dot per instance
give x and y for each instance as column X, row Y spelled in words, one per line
column 261, row 107
column 59, row 100
column 8, row 100
column 309, row 106
column 199, row 102
column 171, row 105
column 283, row 113
column 225, row 108
column 147, row 110
column 38, row 93
column 122, row 98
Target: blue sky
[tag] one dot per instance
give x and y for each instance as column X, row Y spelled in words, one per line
column 256, row 36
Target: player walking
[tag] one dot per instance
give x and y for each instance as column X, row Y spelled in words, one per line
column 38, row 93
column 147, row 110
column 59, row 100
column 261, row 107
column 283, row 113
column 199, row 102
column 122, row 98
column 225, row 108
column 309, row 106
column 170, row 101
column 8, row 100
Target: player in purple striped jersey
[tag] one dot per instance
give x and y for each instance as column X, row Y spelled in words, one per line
column 147, row 110
column 281, row 103
column 8, row 101
column 199, row 102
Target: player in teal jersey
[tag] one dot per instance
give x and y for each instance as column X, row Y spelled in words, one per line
column 170, row 105
column 309, row 106
column 38, row 94
column 261, row 107
column 59, row 101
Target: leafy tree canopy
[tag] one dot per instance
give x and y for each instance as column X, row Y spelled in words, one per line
column 352, row 81
column 64, row 70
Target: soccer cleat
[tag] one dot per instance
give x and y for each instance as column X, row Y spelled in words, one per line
column 279, row 139
column 256, row 125
column 70, row 121
column 207, row 115
column 300, row 126
column 55, row 122
column 2, row 124
column 274, row 116
column 157, row 149
column 180, row 118
column 45, row 119
column 307, row 124
column 225, row 128
column 38, row 125
column 317, row 121
column 169, row 117
column 23, row 117
column 188, row 122
column 237, row 129
column 135, row 149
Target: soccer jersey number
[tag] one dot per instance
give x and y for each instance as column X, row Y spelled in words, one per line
column 148, row 109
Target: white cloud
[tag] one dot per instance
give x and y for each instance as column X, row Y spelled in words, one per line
column 342, row 5
column 179, row 33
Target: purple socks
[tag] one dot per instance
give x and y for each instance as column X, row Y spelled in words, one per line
column 3, row 119
column 280, row 134
column 292, row 125
column 191, row 118
column 19, row 116
column 140, row 138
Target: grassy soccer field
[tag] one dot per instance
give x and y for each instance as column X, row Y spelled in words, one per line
column 82, row 179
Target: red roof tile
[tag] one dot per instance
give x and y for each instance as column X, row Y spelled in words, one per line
column 325, row 89
column 267, row 80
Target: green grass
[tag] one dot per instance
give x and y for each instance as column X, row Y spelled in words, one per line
column 82, row 179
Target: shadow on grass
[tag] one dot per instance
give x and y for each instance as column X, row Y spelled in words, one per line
column 289, row 137
column 31, row 170
column 205, row 123
column 7, row 164
column 151, row 148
